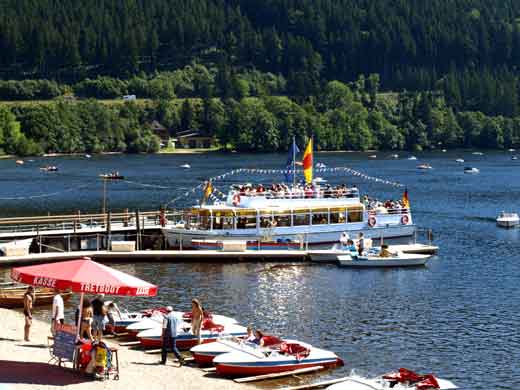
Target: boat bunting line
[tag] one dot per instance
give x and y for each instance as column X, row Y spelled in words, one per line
column 276, row 171
column 146, row 185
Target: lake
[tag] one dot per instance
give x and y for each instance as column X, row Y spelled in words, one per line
column 459, row 317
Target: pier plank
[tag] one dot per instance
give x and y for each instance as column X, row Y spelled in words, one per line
column 278, row 374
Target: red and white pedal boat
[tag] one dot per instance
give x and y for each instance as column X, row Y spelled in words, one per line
column 404, row 379
column 152, row 338
column 288, row 356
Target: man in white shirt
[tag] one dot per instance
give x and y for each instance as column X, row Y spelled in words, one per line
column 169, row 336
column 58, row 311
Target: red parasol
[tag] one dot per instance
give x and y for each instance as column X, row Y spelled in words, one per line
column 83, row 276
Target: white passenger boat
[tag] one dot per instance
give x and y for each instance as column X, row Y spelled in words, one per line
column 508, row 220
column 310, row 215
column 375, row 261
column 402, row 380
column 460, row 160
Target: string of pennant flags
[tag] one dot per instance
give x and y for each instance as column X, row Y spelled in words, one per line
column 216, row 194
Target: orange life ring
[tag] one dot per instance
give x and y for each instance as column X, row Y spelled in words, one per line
column 372, row 221
column 236, row 200
column 405, row 220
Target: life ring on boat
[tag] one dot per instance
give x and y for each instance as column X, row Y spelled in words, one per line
column 405, row 220
column 236, row 200
column 372, row 221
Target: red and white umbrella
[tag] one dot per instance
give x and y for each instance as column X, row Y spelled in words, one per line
column 83, row 276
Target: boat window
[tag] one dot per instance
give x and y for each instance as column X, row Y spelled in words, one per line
column 222, row 223
column 301, row 219
column 246, row 222
column 355, row 215
column 282, row 220
column 337, row 217
column 319, row 219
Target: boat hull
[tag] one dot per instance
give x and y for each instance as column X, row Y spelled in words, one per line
column 183, row 342
column 329, row 235
column 508, row 223
column 240, row 370
column 382, row 262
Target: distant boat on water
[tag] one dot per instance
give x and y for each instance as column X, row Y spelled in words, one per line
column 394, row 156
column 186, row 166
column 471, row 170
column 88, row 156
column 49, row 168
column 320, row 165
column 477, row 153
column 460, row 160
column 514, row 158
column 19, row 162
column 372, row 156
column 412, row 158
column 424, row 166
column 112, row 176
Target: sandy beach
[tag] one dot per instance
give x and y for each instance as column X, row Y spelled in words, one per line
column 23, row 365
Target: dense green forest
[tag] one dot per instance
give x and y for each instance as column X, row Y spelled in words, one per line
column 261, row 70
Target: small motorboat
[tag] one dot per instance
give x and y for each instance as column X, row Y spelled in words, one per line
column 288, row 356
column 402, row 380
column 460, row 160
column 412, row 158
column 12, row 297
column 211, row 331
column 424, row 166
column 477, row 153
column 185, row 166
column 511, row 150
column 320, row 165
column 471, row 170
column 49, row 168
column 508, row 220
column 88, row 156
column 443, row 150
column 372, row 156
column 373, row 260
column 114, row 175
column 394, row 156
column 20, row 162
column 514, row 157
column 205, row 353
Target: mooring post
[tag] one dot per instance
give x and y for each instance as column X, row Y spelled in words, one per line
column 137, row 230
column 109, row 229
column 97, row 242
column 40, row 242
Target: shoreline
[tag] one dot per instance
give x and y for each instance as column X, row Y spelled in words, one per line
column 23, row 365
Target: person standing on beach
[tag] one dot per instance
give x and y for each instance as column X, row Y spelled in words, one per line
column 100, row 316
column 169, row 336
column 58, row 312
column 28, row 302
column 197, row 317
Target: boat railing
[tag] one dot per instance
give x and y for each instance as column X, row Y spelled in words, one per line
column 83, row 222
column 385, row 211
column 303, row 194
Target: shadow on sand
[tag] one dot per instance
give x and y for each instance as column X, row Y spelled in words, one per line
column 38, row 374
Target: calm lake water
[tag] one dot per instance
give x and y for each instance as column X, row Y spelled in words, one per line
column 459, row 317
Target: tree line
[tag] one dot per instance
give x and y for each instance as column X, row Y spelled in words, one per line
column 411, row 44
column 353, row 116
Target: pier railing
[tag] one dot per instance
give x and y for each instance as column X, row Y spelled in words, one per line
column 76, row 223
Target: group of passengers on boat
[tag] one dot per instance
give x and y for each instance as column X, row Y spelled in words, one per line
column 387, row 207
column 283, row 191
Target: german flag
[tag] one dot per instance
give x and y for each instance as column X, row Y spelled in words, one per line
column 308, row 163
column 405, row 200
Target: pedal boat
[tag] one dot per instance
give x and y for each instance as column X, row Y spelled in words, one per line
column 402, row 380
column 399, row 260
column 290, row 355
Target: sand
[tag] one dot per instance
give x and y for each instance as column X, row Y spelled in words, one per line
column 24, row 365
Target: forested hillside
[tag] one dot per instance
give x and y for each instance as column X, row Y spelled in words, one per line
column 457, row 56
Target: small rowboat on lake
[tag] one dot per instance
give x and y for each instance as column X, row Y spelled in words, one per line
column 12, row 297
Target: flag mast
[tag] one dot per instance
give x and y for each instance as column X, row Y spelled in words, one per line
column 294, row 162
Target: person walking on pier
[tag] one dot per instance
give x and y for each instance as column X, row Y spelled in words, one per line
column 197, row 317
column 169, row 336
column 28, row 302
column 58, row 312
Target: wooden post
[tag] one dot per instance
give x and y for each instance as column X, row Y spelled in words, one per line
column 68, row 243
column 40, row 242
column 109, row 229
column 97, row 241
column 137, row 231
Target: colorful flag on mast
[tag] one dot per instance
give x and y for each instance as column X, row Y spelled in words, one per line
column 308, row 163
column 406, row 200
column 291, row 162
